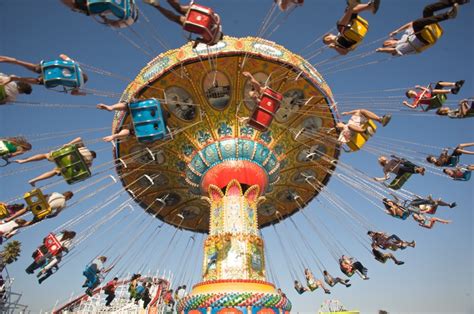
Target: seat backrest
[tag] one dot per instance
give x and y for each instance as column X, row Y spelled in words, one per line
column 431, row 33
column 357, row 30
column 37, row 203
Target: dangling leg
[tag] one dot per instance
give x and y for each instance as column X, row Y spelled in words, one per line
column 167, row 13
column 183, row 9
column 30, row 66
column 33, row 158
column 44, row 176
column 124, row 133
column 419, row 24
column 121, row 106
column 370, row 115
column 430, row 9
column 392, row 257
column 460, row 149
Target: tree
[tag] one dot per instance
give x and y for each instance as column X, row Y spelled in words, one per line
column 9, row 254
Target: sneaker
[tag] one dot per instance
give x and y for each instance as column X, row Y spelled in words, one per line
column 327, row 291
column 375, row 4
column 348, row 285
column 412, row 243
column 365, row 278
column 386, row 119
column 455, row 90
column 460, row 83
column 453, row 204
column 453, row 12
column 347, row 280
column 399, row 263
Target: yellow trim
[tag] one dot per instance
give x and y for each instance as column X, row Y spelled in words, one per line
column 233, row 287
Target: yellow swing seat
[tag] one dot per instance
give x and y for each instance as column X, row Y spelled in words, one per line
column 430, row 33
column 4, row 213
column 37, row 203
column 358, row 140
column 357, row 30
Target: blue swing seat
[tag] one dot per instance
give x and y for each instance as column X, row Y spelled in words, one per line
column 148, row 121
column 122, row 10
column 61, row 73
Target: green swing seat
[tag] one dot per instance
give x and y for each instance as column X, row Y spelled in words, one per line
column 436, row 102
column 399, row 181
column 3, row 94
column 73, row 167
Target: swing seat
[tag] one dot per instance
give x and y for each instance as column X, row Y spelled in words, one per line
column 436, row 102
column 52, row 244
column 357, row 30
column 399, row 181
column 264, row 112
column 203, row 21
column 122, row 10
column 3, row 94
column 63, row 73
column 358, row 140
column 148, row 121
column 466, row 176
column 4, row 213
column 72, row 165
column 37, row 203
column 431, row 33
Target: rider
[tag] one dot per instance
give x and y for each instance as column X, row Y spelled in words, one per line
column 412, row 41
column 93, row 273
column 383, row 257
column 395, row 209
column 299, row 287
column 357, row 122
column 53, row 261
column 180, row 19
column 429, row 205
column 464, row 110
column 10, row 89
column 331, row 281
column 13, row 146
column 314, row 284
column 349, row 266
column 87, row 155
column 397, row 166
column 460, row 173
column 428, row 222
column 393, row 242
column 425, row 95
column 36, row 68
column 446, row 159
column 56, row 201
column 9, row 229
column 338, row 42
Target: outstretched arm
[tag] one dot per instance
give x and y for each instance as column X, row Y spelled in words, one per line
column 255, row 84
column 29, row 80
column 402, row 28
column 77, row 140
column 412, row 106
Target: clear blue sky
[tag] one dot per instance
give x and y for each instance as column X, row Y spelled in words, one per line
column 437, row 276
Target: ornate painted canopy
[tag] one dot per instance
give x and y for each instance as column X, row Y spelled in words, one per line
column 205, row 99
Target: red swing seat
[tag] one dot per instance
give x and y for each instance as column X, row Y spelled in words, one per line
column 52, row 244
column 264, row 112
column 204, row 22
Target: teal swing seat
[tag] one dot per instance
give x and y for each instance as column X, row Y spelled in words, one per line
column 73, row 167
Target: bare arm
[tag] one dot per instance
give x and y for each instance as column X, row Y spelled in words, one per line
column 412, row 106
column 29, row 80
column 402, row 28
column 77, row 140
